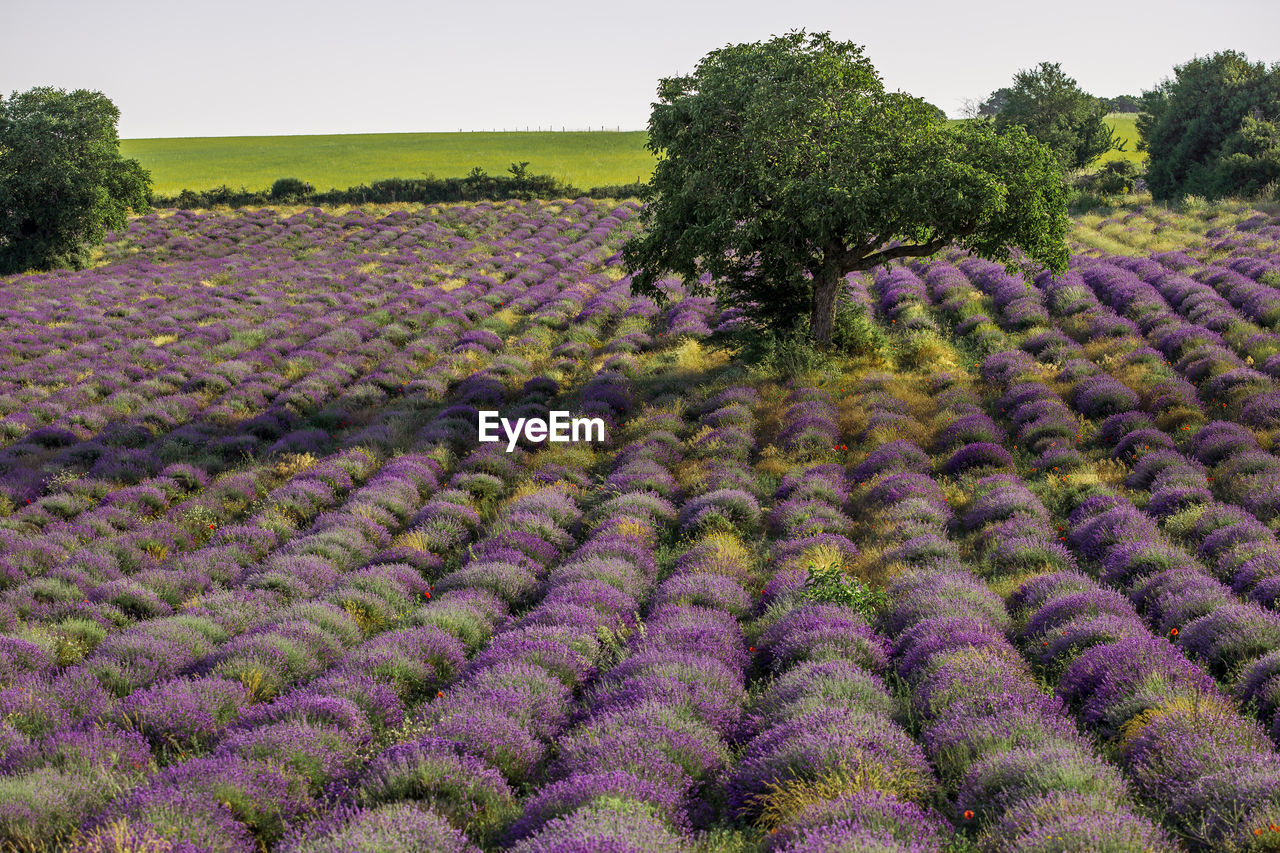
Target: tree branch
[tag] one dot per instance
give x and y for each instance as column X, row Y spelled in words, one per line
column 910, row 250
column 848, row 257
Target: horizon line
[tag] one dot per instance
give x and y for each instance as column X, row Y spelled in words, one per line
column 531, row 130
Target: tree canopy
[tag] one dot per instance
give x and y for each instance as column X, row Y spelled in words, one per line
column 785, row 165
column 1213, row 129
column 63, row 182
column 1050, row 106
column 1122, row 104
column 994, row 103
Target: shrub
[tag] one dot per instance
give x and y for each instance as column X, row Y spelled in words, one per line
column 289, row 189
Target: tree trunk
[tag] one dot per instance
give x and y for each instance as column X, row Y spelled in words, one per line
column 822, row 317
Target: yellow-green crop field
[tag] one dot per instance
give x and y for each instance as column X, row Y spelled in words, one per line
column 584, row 159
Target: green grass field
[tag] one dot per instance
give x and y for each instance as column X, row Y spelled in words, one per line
column 1125, row 126
column 336, row 162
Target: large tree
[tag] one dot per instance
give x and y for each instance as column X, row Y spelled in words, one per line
column 1213, row 129
column 992, row 106
column 63, row 182
column 785, row 165
column 1053, row 108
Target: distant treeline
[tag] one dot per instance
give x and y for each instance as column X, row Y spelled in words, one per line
column 477, row 185
column 997, row 100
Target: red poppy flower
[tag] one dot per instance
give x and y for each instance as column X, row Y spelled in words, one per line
column 968, row 814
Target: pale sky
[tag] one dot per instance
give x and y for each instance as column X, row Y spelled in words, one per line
column 248, row 67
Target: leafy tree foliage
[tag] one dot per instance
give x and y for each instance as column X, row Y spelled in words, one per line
column 289, row 189
column 1122, row 104
column 1050, row 106
column 1213, row 129
column 63, row 182
column 995, row 103
column 1116, row 177
column 997, row 100
column 785, row 165
column 475, row 186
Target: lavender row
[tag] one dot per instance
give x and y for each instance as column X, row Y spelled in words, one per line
column 1120, row 680
column 1225, row 382
column 211, row 512
column 326, row 339
column 226, row 559
column 1185, row 744
column 1202, row 305
column 274, row 422
column 1241, row 471
column 651, row 732
column 1021, row 774
column 321, row 744
column 491, row 729
column 378, row 656
column 184, row 523
column 1237, row 642
column 825, row 764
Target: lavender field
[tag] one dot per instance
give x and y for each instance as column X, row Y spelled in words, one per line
column 1010, row 583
